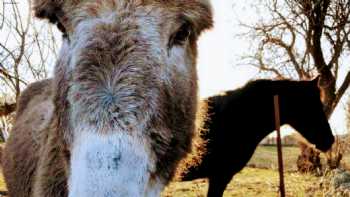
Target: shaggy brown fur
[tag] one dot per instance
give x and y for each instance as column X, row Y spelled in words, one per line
column 115, row 61
column 21, row 154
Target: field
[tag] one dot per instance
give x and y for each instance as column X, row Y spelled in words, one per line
column 252, row 182
column 266, row 157
column 262, row 180
column 259, row 179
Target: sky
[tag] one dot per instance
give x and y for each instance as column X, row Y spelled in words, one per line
column 219, row 52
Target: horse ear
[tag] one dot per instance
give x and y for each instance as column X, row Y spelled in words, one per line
column 316, row 81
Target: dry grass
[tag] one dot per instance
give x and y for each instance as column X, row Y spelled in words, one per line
column 2, row 183
column 252, row 182
column 261, row 181
column 266, row 157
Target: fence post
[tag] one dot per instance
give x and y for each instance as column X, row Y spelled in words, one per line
column 279, row 145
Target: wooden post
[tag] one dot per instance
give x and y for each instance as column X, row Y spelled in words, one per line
column 279, row 145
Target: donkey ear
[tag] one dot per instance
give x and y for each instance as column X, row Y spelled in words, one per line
column 199, row 14
column 48, row 9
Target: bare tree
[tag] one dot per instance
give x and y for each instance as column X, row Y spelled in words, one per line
column 302, row 38
column 5, row 127
column 25, row 54
column 25, row 51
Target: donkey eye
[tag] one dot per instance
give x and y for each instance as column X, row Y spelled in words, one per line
column 181, row 36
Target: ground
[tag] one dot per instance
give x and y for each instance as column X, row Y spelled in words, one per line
column 2, row 183
column 259, row 179
column 252, row 182
column 266, row 157
column 262, row 180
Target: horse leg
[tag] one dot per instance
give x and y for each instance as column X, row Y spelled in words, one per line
column 218, row 183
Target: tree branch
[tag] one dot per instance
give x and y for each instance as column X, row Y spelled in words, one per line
column 344, row 86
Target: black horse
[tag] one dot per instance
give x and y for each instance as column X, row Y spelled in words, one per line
column 240, row 119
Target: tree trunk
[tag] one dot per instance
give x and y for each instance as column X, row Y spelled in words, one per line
column 327, row 84
column 7, row 109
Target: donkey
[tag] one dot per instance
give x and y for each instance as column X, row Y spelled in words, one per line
column 240, row 119
column 119, row 113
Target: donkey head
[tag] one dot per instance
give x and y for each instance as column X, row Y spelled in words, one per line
column 126, row 90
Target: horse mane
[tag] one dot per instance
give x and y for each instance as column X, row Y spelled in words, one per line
column 271, row 86
column 259, row 87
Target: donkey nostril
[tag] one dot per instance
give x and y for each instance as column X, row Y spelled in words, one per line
column 116, row 161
